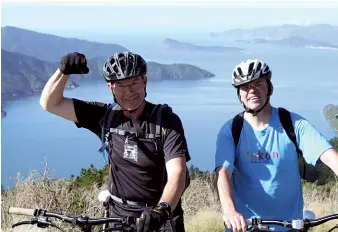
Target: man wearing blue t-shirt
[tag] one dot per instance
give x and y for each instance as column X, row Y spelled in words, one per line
column 261, row 176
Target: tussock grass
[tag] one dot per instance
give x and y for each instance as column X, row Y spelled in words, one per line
column 200, row 201
column 322, row 200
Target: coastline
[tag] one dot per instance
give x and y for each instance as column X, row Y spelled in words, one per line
column 18, row 96
column 322, row 48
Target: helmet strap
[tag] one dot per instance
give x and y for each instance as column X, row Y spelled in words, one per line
column 255, row 112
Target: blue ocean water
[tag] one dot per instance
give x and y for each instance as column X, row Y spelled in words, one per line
column 305, row 80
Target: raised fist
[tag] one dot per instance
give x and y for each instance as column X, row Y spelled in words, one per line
column 74, row 63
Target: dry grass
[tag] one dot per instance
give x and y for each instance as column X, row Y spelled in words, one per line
column 205, row 220
column 322, row 201
column 200, row 202
column 40, row 190
column 202, row 208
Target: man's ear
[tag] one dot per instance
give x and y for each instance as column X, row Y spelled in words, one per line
column 110, row 86
column 145, row 79
column 270, row 87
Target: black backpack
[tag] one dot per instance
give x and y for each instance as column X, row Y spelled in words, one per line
column 155, row 131
column 307, row 172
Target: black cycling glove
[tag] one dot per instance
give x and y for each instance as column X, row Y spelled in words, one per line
column 74, row 63
column 152, row 219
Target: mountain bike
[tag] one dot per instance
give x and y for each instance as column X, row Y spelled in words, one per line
column 42, row 218
column 296, row 225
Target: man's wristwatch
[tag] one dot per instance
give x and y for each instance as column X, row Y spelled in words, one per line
column 164, row 207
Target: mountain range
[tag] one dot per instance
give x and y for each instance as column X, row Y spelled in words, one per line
column 50, row 47
column 294, row 41
column 317, row 32
column 313, row 36
column 29, row 58
column 23, row 75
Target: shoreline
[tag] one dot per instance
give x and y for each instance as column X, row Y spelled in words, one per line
column 5, row 100
column 322, row 48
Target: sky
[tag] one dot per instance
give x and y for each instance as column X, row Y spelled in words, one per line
column 117, row 17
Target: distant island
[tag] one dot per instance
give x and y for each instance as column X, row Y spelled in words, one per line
column 157, row 71
column 24, row 75
column 183, row 46
column 330, row 112
column 321, row 33
column 294, row 41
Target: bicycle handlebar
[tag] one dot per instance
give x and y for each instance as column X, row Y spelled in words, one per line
column 295, row 224
column 254, row 224
column 84, row 222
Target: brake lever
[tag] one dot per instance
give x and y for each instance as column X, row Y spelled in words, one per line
column 256, row 228
column 41, row 222
column 23, row 223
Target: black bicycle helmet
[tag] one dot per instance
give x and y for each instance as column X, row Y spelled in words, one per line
column 124, row 65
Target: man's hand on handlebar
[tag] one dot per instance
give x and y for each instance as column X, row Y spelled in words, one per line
column 152, row 220
column 235, row 221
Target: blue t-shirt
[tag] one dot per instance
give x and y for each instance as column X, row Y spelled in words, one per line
column 266, row 181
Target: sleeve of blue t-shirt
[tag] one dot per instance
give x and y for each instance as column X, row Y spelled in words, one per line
column 309, row 139
column 225, row 148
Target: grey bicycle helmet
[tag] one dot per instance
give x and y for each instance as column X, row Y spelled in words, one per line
column 124, row 65
column 250, row 70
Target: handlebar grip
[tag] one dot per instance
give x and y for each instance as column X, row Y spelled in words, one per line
column 21, row 211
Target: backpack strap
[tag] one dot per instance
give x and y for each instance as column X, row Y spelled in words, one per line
column 152, row 127
column 286, row 121
column 236, row 128
column 156, row 128
column 108, row 115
